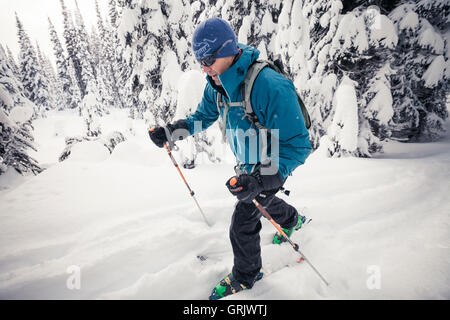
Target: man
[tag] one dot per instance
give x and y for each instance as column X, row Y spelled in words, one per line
column 275, row 104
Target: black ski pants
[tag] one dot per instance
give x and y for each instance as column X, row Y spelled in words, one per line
column 244, row 233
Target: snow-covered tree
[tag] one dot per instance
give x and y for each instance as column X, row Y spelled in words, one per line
column 109, row 61
column 342, row 135
column 358, row 41
column 48, row 77
column 84, row 51
column 326, row 47
column 64, row 83
column 16, row 139
column 11, row 89
column 12, row 62
column 114, row 51
column 147, row 51
column 130, row 30
column 420, row 82
column 70, row 37
column 15, row 143
column 76, row 91
column 35, row 85
column 321, row 82
column 113, row 13
column 91, row 109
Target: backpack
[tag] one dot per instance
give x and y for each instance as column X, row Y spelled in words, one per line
column 246, row 92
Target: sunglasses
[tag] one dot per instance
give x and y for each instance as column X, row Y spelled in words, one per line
column 209, row 60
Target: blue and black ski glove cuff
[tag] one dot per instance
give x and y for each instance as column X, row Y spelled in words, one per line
column 178, row 130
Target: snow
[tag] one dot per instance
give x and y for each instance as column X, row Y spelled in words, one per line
column 5, row 98
column 130, row 18
column 409, row 21
column 344, row 128
column 190, row 91
column 21, row 114
column 128, row 224
column 351, row 32
column 435, row 72
column 89, row 151
column 267, row 25
column 124, row 220
column 447, row 54
column 324, row 20
column 383, row 30
column 4, row 119
column 244, row 31
column 381, row 104
column 429, row 38
column 172, row 72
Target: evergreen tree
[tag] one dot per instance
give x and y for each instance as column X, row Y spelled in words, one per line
column 91, row 109
column 320, row 84
column 70, row 38
column 11, row 89
column 76, row 91
column 15, row 143
column 109, row 49
column 12, row 63
column 419, row 84
column 394, row 71
column 84, row 51
column 120, row 71
column 15, row 138
column 64, row 82
column 36, row 88
column 48, row 76
column 102, row 80
column 113, row 13
column 135, row 38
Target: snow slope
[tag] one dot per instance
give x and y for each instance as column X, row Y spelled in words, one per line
column 125, row 221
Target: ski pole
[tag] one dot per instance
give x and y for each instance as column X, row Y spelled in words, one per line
column 294, row 245
column 192, row 193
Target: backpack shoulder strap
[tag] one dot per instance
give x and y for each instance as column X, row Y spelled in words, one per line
column 246, row 91
column 247, row 88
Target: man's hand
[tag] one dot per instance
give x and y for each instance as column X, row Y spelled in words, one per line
column 158, row 136
column 178, row 131
column 245, row 187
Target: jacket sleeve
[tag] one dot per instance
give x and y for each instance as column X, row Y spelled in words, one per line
column 278, row 109
column 206, row 113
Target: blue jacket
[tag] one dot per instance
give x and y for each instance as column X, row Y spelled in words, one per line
column 275, row 103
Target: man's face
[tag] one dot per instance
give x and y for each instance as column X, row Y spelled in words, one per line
column 218, row 67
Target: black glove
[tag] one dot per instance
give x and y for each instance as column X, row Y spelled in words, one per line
column 245, row 187
column 178, row 131
column 248, row 187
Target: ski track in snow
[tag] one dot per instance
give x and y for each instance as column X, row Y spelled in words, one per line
column 131, row 227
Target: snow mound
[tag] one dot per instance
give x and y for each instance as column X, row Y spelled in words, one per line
column 133, row 153
column 89, row 151
column 21, row 114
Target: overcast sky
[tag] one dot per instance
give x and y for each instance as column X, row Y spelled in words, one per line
column 34, row 13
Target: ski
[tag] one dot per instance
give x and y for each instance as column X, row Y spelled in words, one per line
column 204, row 257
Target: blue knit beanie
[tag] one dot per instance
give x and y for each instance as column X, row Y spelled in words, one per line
column 210, row 35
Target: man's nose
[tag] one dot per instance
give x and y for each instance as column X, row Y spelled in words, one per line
column 206, row 69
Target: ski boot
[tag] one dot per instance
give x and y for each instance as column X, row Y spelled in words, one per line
column 279, row 239
column 229, row 285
